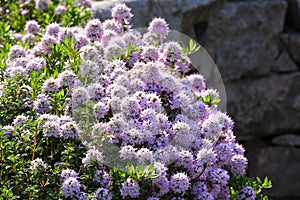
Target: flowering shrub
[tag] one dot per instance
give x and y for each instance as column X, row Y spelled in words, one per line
column 106, row 112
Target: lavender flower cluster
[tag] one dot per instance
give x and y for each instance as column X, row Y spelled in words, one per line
column 143, row 104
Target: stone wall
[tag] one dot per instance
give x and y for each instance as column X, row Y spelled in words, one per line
column 256, row 45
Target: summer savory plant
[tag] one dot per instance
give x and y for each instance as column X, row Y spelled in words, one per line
column 102, row 111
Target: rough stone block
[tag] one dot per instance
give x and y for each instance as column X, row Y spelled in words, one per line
column 265, row 106
column 244, row 39
column 292, row 41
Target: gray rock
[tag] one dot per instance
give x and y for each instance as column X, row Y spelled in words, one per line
column 293, row 14
column 291, row 140
column 244, row 40
column 264, row 106
column 292, row 41
column 280, row 164
column 180, row 14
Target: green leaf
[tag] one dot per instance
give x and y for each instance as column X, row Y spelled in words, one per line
column 215, row 101
column 207, row 99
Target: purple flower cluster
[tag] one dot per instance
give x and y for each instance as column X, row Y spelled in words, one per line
column 41, row 5
column 71, row 187
column 38, row 164
column 130, row 188
column 155, row 114
column 32, row 27
column 58, row 127
column 247, row 193
column 142, row 103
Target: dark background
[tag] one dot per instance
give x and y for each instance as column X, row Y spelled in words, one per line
column 256, row 46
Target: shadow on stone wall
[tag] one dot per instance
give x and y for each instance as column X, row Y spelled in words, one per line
column 256, row 45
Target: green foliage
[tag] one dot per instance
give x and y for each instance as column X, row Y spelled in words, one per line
column 238, row 182
column 192, row 48
column 209, row 100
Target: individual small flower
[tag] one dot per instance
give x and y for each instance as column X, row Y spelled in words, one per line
column 89, row 52
column 81, row 40
column 20, row 120
column 98, row 129
column 219, row 176
column 21, row 62
column 8, row 130
column 159, row 28
column 100, row 109
column 25, row 12
column 65, row 33
column 206, row 156
column 89, row 69
column 60, row 9
column 162, row 184
column 172, row 52
column 167, row 154
column 130, row 188
column 16, row 71
column 36, row 63
column 102, row 177
column 53, row 29
column 65, row 119
column 85, row 3
column 211, row 128
column 29, row 39
column 42, row 104
column 111, row 25
column 102, row 193
column 106, row 37
column 133, row 58
column 51, row 128
column 71, row 187
column 184, row 135
column 199, row 188
column 80, row 95
column 16, row 51
column 247, row 193
column 18, row 36
column 238, row 149
column 130, row 106
column 238, row 164
column 149, row 54
column 128, row 152
column 69, row 130
column 48, row 117
column 66, row 173
column 94, row 30
column 46, row 42
column 66, row 78
column 92, row 156
column 96, row 91
column 41, row 5
column 82, row 196
column 121, row 13
column 185, row 159
column 224, row 153
column 204, row 196
column 197, row 81
column 144, row 155
column 37, row 164
column 32, row 27
column 112, row 50
column 179, row 183
column 50, row 85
